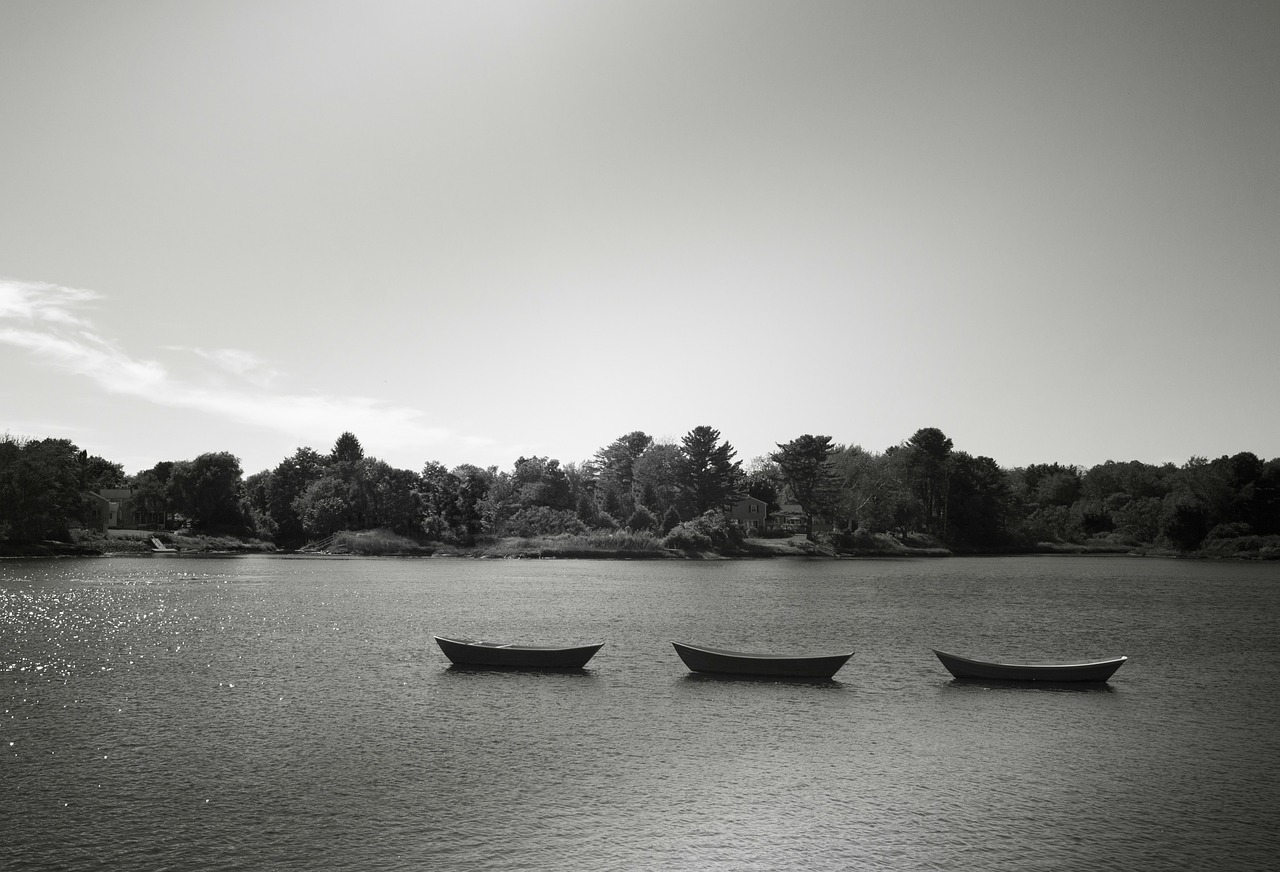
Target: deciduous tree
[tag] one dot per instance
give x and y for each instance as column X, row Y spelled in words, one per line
column 208, row 491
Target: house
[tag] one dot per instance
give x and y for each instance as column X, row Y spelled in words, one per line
column 119, row 510
column 749, row 513
column 789, row 517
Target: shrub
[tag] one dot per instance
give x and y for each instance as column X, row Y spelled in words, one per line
column 849, row 541
column 670, row 520
column 544, row 521
column 1230, row 531
column 1255, row 547
column 686, row 538
column 641, row 519
column 707, row 532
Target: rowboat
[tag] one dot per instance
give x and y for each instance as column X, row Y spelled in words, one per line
column 466, row 652
column 964, row 667
column 700, row 659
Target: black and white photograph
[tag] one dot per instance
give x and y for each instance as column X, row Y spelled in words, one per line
column 639, row 435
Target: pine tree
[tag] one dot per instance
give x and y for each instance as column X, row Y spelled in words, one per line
column 709, row 477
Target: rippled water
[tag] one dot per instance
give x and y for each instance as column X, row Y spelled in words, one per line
column 178, row 712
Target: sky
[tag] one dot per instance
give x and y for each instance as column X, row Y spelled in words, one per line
column 472, row 231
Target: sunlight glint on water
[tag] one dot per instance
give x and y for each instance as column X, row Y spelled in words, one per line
column 290, row 713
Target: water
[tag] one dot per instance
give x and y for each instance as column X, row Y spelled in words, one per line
column 257, row 713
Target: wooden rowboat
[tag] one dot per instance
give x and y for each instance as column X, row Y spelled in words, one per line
column 964, row 667
column 466, row 652
column 700, row 659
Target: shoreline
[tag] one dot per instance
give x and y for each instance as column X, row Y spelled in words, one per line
column 546, row 549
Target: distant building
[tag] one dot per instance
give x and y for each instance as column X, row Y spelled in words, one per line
column 789, row 517
column 749, row 513
column 118, row 510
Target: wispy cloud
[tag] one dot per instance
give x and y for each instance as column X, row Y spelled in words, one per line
column 45, row 320
column 40, row 301
column 243, row 364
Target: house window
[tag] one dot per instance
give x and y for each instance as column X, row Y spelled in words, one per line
column 754, row 509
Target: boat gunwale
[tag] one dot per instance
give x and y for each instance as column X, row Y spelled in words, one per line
column 495, row 646
column 742, row 655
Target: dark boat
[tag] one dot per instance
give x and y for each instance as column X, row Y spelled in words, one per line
column 964, row 667
column 465, row 652
column 700, row 659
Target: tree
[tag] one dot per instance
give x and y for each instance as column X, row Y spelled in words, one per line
column 806, row 468
column 438, row 491
column 1056, row 489
column 764, row 481
column 208, row 490
column 928, row 453
column 541, row 482
column 452, row 501
column 708, row 475
column 324, row 507
column 1266, row 504
column 97, row 473
column 347, row 449
column 616, row 463
column 151, row 497
column 500, row 503
column 40, row 493
column 656, row 477
column 1137, row 520
column 394, row 499
column 978, row 501
column 1186, row 523
column 290, row 480
column 256, row 488
column 1133, row 477
column 1051, row 483
column 641, row 519
column 870, row 489
column 473, row 488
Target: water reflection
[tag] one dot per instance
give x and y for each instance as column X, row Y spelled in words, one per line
column 1033, row 686
column 722, row 678
column 457, row 669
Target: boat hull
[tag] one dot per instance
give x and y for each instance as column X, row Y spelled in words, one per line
column 716, row 661
column 965, row 667
column 465, row 652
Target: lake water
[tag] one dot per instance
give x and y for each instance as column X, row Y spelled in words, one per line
column 258, row 713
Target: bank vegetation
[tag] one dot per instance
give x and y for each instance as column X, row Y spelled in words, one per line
column 639, row 498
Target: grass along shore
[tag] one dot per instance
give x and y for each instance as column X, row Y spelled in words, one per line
column 620, row 544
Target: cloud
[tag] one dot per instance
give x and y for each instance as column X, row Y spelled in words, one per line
column 244, row 364
column 40, row 301
column 43, row 320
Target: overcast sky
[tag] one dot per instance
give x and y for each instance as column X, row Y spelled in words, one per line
column 477, row 230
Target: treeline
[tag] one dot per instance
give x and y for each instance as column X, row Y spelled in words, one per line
column 970, row 503
column 672, row 490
